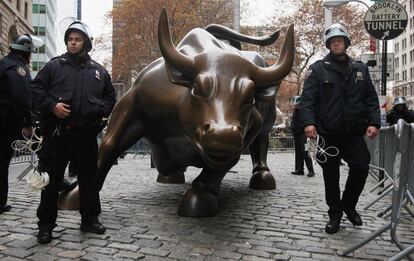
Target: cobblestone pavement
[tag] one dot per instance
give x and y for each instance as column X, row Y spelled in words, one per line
column 141, row 220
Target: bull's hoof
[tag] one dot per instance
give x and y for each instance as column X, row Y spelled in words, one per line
column 262, row 180
column 198, row 202
column 175, row 178
column 69, row 200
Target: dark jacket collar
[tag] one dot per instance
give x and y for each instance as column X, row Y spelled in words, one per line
column 18, row 58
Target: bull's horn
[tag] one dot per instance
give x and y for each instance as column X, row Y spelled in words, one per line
column 179, row 61
column 279, row 70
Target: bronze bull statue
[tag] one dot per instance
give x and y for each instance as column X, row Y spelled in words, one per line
column 201, row 104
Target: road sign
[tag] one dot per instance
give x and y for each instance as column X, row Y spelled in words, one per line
column 386, row 20
column 376, row 71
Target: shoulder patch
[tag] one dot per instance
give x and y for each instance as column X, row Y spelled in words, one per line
column 20, row 70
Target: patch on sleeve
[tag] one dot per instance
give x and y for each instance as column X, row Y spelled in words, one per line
column 308, row 72
column 21, row 71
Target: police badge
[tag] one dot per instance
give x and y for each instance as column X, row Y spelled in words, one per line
column 21, row 71
column 97, row 75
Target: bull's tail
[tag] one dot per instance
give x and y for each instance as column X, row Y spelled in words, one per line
column 225, row 33
column 123, row 131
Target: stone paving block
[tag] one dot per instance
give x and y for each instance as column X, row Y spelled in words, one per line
column 72, row 254
column 154, row 252
column 228, row 254
column 129, row 254
column 41, row 257
column 253, row 252
column 129, row 247
column 16, row 252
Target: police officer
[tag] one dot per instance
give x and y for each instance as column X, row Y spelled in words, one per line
column 340, row 104
column 400, row 111
column 300, row 140
column 15, row 107
column 73, row 93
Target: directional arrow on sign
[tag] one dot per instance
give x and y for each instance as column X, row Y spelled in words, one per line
column 386, row 34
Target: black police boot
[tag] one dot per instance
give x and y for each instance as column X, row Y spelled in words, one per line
column 297, row 172
column 353, row 217
column 5, row 208
column 44, row 236
column 311, row 174
column 67, row 185
column 93, row 227
column 333, row 225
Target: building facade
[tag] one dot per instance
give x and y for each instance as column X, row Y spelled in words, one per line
column 45, row 27
column 15, row 19
column 404, row 58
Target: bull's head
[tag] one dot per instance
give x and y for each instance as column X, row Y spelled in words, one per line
column 217, row 112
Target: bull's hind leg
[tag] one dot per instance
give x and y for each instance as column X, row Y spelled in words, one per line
column 201, row 199
column 262, row 179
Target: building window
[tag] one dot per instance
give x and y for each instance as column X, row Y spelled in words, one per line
column 18, row 5
column 26, row 7
column 40, row 30
column 36, row 66
column 41, row 49
column 39, row 9
column 42, row 9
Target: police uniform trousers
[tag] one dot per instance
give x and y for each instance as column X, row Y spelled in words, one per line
column 353, row 150
column 60, row 145
column 301, row 154
column 8, row 134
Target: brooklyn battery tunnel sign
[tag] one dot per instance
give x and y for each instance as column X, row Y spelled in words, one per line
column 386, row 20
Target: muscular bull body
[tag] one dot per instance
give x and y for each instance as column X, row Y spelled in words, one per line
column 200, row 105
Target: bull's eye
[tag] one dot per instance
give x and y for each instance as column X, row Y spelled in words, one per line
column 250, row 101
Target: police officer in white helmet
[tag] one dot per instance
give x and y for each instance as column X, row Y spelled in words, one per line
column 340, row 104
column 73, row 93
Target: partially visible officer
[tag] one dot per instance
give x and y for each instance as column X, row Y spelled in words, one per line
column 15, row 106
column 340, row 104
column 400, row 111
column 73, row 93
column 300, row 140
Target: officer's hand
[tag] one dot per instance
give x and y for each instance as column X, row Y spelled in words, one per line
column 61, row 110
column 372, row 132
column 310, row 132
column 27, row 132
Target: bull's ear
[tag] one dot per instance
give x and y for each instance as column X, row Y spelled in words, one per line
column 176, row 77
column 267, row 95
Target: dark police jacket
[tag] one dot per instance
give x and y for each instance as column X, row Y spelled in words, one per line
column 394, row 115
column 296, row 123
column 14, row 91
column 339, row 99
column 85, row 86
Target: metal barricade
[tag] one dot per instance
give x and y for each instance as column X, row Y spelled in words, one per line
column 140, row 149
column 398, row 141
column 281, row 143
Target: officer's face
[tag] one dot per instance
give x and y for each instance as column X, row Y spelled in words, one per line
column 337, row 45
column 75, row 42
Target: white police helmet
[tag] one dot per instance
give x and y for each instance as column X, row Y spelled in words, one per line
column 399, row 101
column 336, row 30
column 26, row 43
column 82, row 28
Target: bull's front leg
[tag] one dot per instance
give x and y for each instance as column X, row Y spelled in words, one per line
column 201, row 199
column 262, row 179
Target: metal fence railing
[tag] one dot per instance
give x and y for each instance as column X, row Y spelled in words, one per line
column 392, row 153
column 279, row 143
